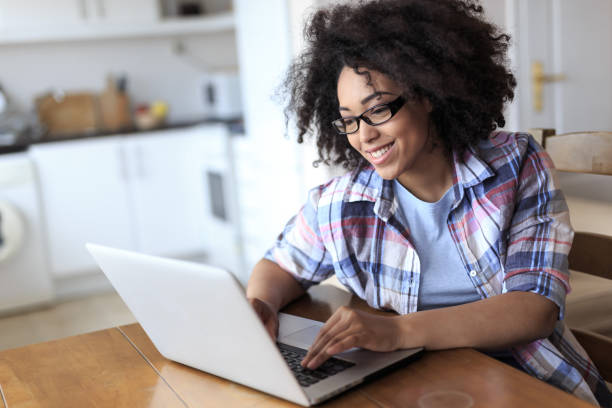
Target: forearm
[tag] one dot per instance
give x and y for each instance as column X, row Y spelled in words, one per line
column 495, row 323
column 272, row 284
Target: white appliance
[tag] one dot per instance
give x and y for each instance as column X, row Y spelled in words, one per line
column 24, row 274
column 220, row 93
column 223, row 245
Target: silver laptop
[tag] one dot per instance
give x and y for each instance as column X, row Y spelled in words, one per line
column 198, row 315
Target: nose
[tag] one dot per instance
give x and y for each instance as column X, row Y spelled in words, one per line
column 367, row 133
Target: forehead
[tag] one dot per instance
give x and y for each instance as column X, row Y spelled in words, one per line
column 355, row 86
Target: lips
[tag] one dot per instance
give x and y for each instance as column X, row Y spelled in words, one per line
column 380, row 154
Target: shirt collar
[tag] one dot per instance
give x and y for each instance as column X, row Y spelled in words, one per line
column 470, row 171
column 385, row 204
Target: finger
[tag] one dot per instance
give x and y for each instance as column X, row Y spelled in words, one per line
column 329, row 329
column 272, row 328
column 319, row 351
column 257, row 307
column 324, row 338
column 347, row 341
column 316, row 350
column 344, row 344
column 271, row 332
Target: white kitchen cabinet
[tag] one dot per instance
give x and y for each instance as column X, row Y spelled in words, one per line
column 36, row 21
column 147, row 192
column 167, row 188
column 44, row 20
column 120, row 11
column 84, row 199
column 37, row 14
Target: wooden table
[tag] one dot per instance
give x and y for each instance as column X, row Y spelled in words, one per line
column 120, row 367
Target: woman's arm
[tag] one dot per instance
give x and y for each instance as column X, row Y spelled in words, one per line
column 495, row 323
column 269, row 289
column 272, row 284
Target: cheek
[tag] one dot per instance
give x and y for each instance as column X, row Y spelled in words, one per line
column 354, row 142
column 415, row 134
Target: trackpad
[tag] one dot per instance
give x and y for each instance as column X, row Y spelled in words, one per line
column 302, row 338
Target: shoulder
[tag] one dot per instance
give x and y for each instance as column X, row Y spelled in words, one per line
column 510, row 151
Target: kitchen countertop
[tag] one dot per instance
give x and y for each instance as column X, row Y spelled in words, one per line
column 236, row 127
column 13, row 149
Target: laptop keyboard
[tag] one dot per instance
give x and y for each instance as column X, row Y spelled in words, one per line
column 294, row 355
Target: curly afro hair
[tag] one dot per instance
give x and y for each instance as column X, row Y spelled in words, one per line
column 442, row 50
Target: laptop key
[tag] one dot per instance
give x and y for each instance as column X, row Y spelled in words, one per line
column 293, row 356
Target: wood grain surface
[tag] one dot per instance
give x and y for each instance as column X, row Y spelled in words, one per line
column 100, row 369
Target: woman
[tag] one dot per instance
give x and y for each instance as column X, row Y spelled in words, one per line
column 459, row 229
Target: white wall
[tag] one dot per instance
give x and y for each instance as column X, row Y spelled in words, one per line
column 495, row 11
column 154, row 71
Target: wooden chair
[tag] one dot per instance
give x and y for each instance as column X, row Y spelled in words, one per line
column 591, row 254
column 579, row 152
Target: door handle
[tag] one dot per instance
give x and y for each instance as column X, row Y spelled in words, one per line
column 538, row 79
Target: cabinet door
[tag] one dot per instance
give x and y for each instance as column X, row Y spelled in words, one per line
column 121, row 11
column 168, row 191
column 84, row 199
column 37, row 14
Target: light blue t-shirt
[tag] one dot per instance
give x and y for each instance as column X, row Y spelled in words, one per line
column 444, row 280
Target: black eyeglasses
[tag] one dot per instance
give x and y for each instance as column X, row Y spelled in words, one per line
column 376, row 115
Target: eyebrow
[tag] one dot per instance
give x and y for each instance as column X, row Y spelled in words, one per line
column 368, row 98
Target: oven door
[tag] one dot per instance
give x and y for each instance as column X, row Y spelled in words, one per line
column 223, row 246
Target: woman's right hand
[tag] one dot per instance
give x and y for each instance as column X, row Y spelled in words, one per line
column 267, row 315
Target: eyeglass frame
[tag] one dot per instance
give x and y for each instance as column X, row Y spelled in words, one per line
column 394, row 106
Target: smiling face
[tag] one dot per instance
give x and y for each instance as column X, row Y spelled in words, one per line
column 397, row 148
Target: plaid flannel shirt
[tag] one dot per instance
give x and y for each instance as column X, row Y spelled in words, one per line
column 511, row 226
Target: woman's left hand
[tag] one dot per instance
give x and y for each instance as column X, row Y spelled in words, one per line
column 348, row 328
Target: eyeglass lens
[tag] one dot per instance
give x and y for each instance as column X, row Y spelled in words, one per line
column 375, row 116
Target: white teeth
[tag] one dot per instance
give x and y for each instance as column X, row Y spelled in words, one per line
column 378, row 153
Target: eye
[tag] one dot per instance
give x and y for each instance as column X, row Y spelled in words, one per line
column 381, row 110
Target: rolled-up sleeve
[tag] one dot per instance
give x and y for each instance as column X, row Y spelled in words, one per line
column 299, row 249
column 540, row 235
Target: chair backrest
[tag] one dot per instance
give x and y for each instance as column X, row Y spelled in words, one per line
column 592, row 254
column 583, row 152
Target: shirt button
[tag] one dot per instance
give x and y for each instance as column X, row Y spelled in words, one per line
column 472, row 273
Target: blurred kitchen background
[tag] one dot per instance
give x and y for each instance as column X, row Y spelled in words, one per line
column 153, row 125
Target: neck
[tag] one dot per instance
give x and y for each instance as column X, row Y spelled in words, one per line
column 431, row 176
